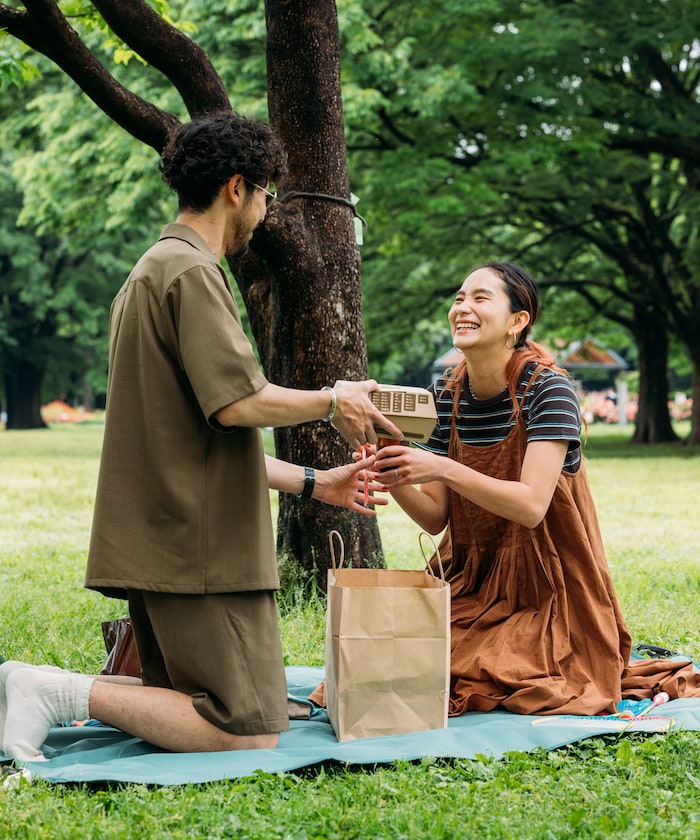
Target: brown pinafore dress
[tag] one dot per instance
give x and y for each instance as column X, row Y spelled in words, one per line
column 536, row 625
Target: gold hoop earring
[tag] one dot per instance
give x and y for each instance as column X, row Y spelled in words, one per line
column 510, row 346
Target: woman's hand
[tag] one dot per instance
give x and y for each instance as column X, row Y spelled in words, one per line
column 399, row 465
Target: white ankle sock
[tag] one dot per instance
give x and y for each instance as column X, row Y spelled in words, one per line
column 38, row 700
column 6, row 668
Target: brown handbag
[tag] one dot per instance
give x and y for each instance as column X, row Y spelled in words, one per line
column 122, row 656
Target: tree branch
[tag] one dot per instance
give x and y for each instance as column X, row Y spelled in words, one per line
column 669, row 81
column 44, row 28
column 683, row 148
column 394, row 130
column 605, row 307
column 171, row 52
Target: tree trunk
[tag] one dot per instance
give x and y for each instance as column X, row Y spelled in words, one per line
column 22, row 382
column 686, row 324
column 301, row 278
column 653, row 424
column 694, row 438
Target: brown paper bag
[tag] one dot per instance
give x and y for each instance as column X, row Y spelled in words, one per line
column 387, row 650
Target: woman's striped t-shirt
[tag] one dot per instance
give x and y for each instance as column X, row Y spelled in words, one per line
column 549, row 408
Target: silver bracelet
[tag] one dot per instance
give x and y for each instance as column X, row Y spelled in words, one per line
column 331, row 413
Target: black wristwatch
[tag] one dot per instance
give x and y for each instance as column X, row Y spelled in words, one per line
column 309, row 481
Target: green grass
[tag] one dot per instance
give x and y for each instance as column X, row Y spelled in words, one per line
column 603, row 787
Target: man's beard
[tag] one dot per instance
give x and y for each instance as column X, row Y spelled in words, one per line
column 237, row 249
column 240, row 239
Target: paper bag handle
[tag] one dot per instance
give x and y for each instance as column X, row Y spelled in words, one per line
column 436, row 550
column 342, row 550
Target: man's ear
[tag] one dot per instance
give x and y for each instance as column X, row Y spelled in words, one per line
column 233, row 188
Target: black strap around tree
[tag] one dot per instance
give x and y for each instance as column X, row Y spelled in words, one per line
column 325, row 197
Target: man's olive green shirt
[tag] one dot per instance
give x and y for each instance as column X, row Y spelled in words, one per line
column 182, row 504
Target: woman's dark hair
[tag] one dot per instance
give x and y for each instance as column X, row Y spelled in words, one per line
column 203, row 154
column 522, row 292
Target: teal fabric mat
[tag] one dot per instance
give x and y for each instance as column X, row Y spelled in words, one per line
column 96, row 753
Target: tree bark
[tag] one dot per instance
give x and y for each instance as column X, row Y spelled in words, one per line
column 301, row 278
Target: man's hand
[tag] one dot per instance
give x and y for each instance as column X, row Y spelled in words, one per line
column 356, row 415
column 345, row 487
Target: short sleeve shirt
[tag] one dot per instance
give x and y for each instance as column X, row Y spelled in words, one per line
column 549, row 407
column 182, row 504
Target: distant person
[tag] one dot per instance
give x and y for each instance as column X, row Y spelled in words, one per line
column 182, row 525
column 536, row 624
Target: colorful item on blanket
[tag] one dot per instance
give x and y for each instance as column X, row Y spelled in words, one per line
column 630, row 709
column 631, row 716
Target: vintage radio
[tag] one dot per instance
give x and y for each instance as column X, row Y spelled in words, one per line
column 411, row 409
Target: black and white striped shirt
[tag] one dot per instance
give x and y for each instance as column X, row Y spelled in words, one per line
column 549, row 408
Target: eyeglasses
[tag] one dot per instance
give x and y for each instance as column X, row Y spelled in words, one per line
column 269, row 196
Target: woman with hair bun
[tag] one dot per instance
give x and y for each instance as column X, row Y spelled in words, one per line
column 536, row 624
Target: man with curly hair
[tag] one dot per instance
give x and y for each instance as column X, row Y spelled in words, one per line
column 182, row 525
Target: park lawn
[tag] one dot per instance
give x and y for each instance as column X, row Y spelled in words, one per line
column 631, row 787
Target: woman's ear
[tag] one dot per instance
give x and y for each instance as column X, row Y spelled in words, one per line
column 520, row 321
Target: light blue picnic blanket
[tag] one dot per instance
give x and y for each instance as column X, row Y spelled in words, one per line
column 97, row 753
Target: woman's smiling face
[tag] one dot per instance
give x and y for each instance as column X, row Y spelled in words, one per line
column 481, row 313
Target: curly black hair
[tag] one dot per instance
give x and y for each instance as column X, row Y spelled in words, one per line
column 203, row 154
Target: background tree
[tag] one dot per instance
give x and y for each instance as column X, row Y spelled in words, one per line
column 473, row 132
column 54, row 290
column 300, row 281
column 560, row 134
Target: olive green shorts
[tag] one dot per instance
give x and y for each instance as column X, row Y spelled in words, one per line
column 223, row 650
